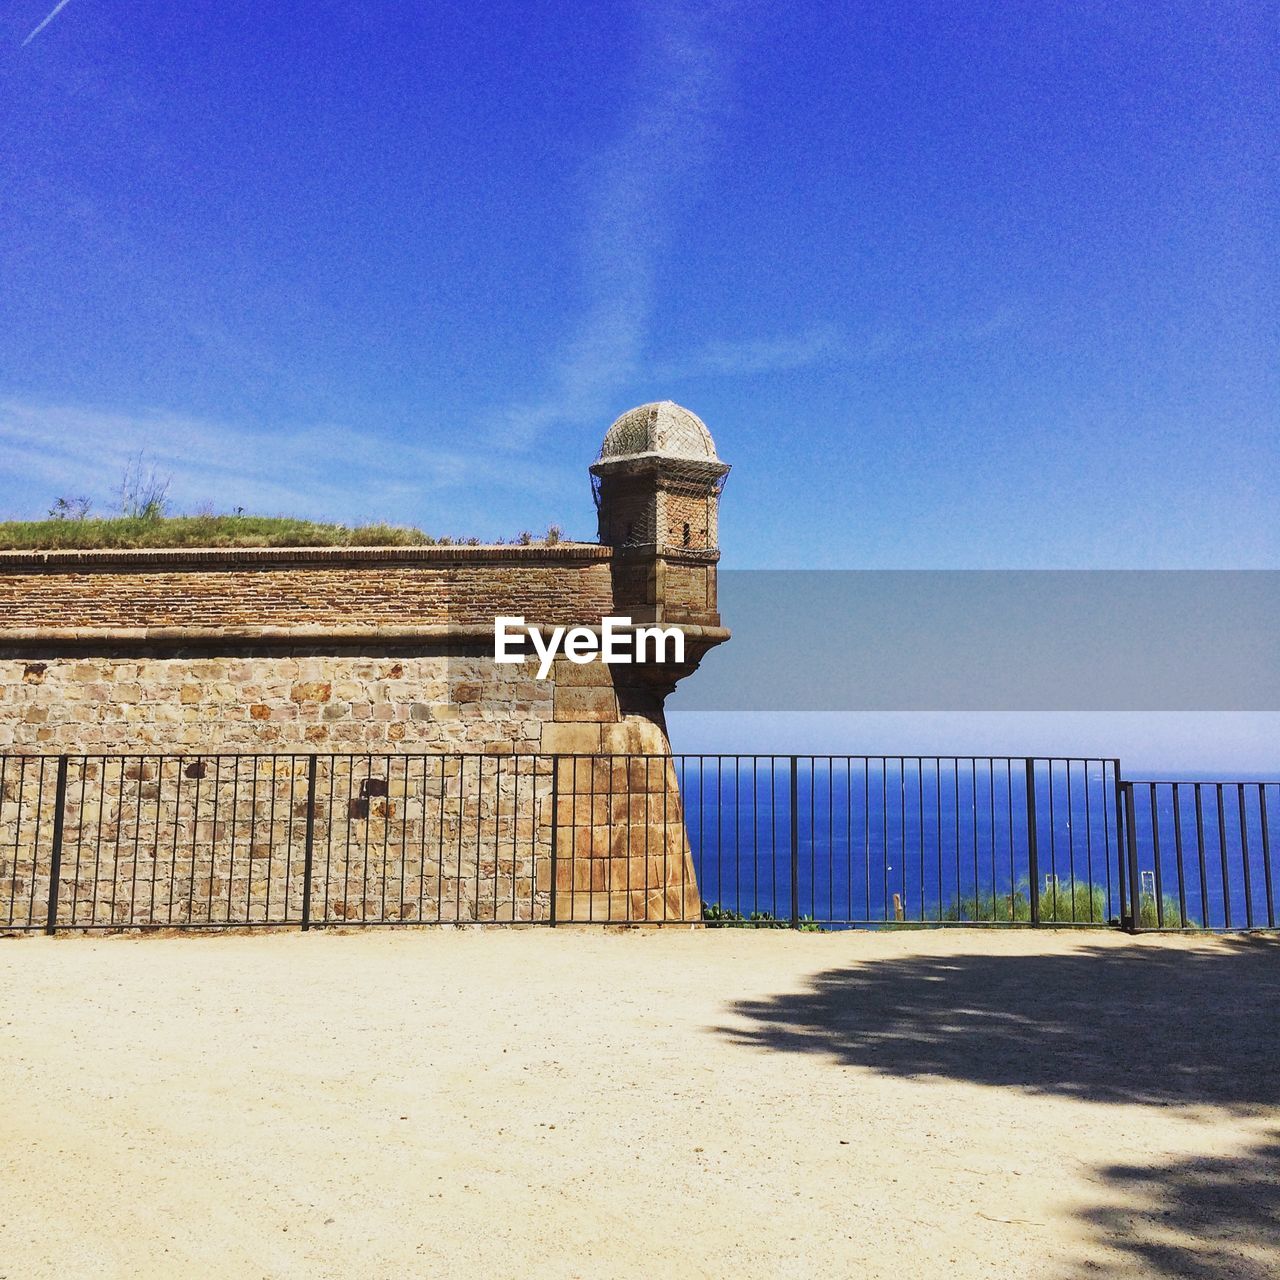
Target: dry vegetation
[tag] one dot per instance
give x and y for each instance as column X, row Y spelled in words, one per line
column 143, row 518
column 152, row 531
column 200, row 531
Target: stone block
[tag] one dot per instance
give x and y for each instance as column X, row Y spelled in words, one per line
column 631, row 737
column 584, row 841
column 571, row 675
column 589, row 704
column 570, row 739
column 311, row 691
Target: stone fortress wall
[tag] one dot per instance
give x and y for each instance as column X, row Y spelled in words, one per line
column 384, row 654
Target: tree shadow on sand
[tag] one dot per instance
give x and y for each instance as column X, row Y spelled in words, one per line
column 1202, row 1218
column 1137, row 1025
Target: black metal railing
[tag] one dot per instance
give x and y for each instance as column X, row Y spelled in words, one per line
column 842, row 841
column 772, row 841
column 307, row 840
column 1200, row 853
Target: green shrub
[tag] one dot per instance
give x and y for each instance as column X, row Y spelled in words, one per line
column 717, row 917
column 1085, row 903
column 1088, row 904
column 1149, row 918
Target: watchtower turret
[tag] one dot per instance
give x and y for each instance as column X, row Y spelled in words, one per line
column 657, row 482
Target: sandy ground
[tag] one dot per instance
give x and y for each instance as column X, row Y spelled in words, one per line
column 577, row 1103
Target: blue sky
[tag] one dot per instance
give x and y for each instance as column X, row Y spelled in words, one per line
column 953, row 285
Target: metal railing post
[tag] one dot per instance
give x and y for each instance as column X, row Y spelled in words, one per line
column 1120, row 845
column 307, row 857
column 1131, row 846
column 55, row 854
column 1033, row 841
column 555, row 823
column 795, row 843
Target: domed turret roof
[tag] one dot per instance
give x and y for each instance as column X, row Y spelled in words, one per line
column 664, row 428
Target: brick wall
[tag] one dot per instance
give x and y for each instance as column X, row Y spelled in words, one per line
column 379, row 651
column 279, row 588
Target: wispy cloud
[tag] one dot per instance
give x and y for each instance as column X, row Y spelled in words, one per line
column 766, row 355
column 835, row 347
column 323, row 471
column 57, row 9
column 634, row 191
column 744, row 357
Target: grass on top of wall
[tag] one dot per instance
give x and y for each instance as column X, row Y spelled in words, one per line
column 129, row 532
